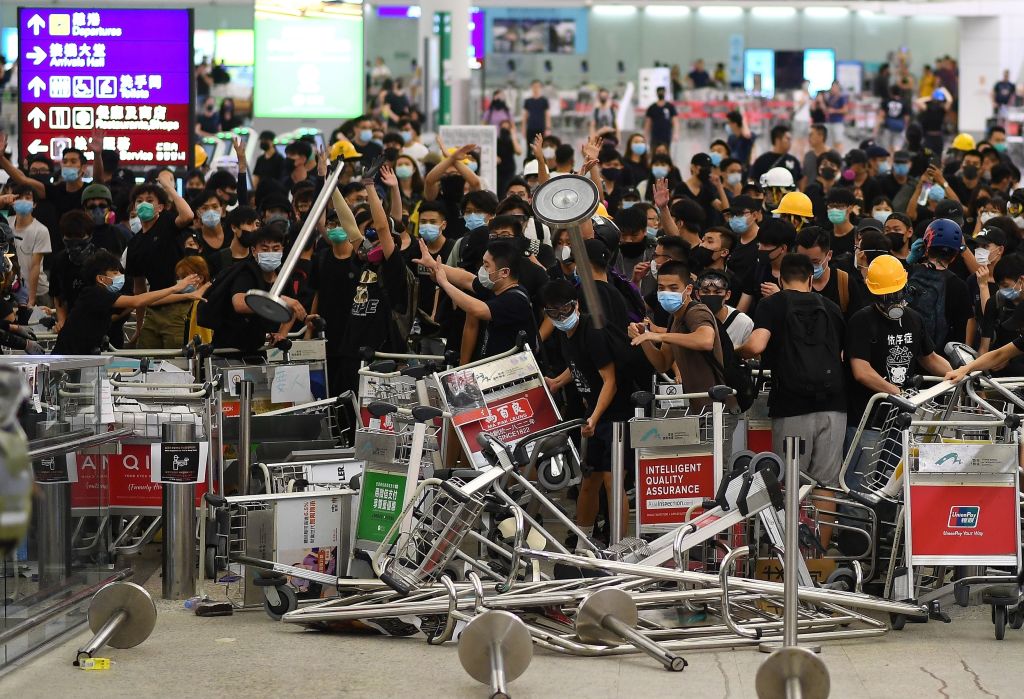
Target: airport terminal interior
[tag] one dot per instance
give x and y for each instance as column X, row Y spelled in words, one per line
column 506, row 348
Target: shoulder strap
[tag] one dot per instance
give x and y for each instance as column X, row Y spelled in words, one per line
column 729, row 319
column 843, row 282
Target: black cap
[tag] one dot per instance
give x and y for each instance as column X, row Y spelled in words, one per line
column 991, row 234
column 275, row 201
column 744, row 203
column 874, row 151
column 902, row 156
column 701, row 160
column 1017, row 196
column 869, row 224
column 949, row 208
column 597, row 252
column 856, row 156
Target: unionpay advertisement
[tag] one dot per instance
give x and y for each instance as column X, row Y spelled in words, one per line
column 308, row 67
column 122, row 75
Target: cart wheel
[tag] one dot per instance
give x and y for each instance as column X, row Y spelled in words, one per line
column 210, row 562
column 1016, row 619
column 999, row 619
column 897, row 621
column 289, row 602
column 842, row 579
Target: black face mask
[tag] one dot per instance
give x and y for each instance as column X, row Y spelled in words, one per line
column 703, row 173
column 45, row 179
column 970, row 172
column 828, row 174
column 611, row 173
column 713, row 302
column 505, row 135
column 191, row 192
column 632, row 250
column 896, row 240
column 266, row 145
column 764, row 257
column 700, row 257
column 391, row 154
column 78, row 249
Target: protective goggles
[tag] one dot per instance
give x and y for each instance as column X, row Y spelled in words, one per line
column 560, row 312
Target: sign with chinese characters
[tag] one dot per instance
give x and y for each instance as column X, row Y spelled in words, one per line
column 127, row 73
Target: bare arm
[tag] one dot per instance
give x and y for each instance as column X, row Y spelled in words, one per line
column 604, row 398
column 185, row 216
column 701, row 339
column 755, row 344
column 140, row 300
column 432, row 182
column 542, row 165
column 469, row 338
column 866, row 376
column 390, row 180
column 17, row 175
column 33, row 277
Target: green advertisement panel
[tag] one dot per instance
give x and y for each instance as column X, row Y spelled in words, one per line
column 308, row 67
column 380, row 503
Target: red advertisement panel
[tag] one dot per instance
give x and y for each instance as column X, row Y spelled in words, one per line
column 666, row 486
column 516, row 416
column 119, row 480
column 963, row 520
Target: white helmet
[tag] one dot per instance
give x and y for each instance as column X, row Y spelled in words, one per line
column 777, row 177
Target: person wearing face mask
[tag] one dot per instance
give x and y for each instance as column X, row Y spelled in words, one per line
column 712, row 290
column 827, row 175
column 990, row 245
column 638, row 159
column 1000, row 323
column 595, row 360
column 826, row 279
column 1015, row 207
column 31, row 244
column 210, row 212
column 968, row 179
column 270, row 164
column 362, row 139
column 891, row 184
column 886, row 342
column 151, row 255
column 857, row 174
column 881, row 209
column 98, row 203
column 743, row 218
column 242, row 222
column 939, row 295
column 67, row 194
column 492, row 296
column 66, row 281
column 661, row 121
column 692, row 342
column 636, row 249
column 840, row 201
column 89, row 321
column 536, row 117
column 774, row 240
column 704, row 187
column 713, row 251
column 603, row 121
column 614, row 179
column 301, row 157
column 732, row 177
column 432, row 224
column 194, row 265
column 899, row 229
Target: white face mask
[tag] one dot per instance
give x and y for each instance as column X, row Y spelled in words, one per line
column 981, row 256
column 987, row 216
column 1019, row 220
column 880, row 214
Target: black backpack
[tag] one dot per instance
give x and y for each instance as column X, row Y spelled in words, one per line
column 926, row 294
column 733, row 371
column 217, row 306
column 809, row 364
column 636, row 309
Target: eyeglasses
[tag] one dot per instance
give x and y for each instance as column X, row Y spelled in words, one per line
column 560, row 312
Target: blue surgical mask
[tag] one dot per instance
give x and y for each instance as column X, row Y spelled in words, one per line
column 211, row 218
column 638, row 148
column 627, row 204
column 671, row 301
column 135, row 223
column 937, row 192
column 474, row 221
column 473, row 166
column 566, row 324
column 406, row 136
column 734, row 178
column 23, row 207
column 901, row 169
column 189, row 289
column 1009, row 294
column 739, row 224
column 116, row 284
column 659, row 171
column 884, row 168
column 716, row 158
column 69, row 174
column 366, row 135
column 652, row 232
column 819, row 271
column 880, row 214
column 430, row 232
column 403, row 172
column 269, row 261
column 836, row 216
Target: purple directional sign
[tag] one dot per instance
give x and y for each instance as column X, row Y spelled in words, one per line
column 127, row 72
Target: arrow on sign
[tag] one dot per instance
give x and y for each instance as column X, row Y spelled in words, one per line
column 35, row 86
column 35, row 24
column 37, row 55
column 36, row 116
column 36, row 147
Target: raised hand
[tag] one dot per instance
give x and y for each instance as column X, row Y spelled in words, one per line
column 661, row 195
column 388, row 177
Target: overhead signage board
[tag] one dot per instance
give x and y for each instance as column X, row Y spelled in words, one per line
column 125, row 73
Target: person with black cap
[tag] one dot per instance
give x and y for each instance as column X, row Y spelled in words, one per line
column 743, row 218
column 878, row 160
column 990, row 245
column 703, row 187
column 270, row 164
column 892, row 183
column 857, row 174
column 774, row 240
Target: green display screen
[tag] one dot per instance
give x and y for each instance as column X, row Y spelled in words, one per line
column 308, row 67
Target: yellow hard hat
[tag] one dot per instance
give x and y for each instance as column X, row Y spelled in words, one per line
column 200, row 156
column 886, row 275
column 344, row 150
column 963, row 141
column 796, row 203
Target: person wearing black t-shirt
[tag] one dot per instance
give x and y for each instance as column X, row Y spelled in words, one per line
column 270, row 164
column 778, row 156
column 775, row 238
column 661, row 121
column 595, row 364
column 89, row 321
column 492, row 296
column 536, row 115
column 432, row 224
column 829, row 281
column 67, row 194
column 152, row 255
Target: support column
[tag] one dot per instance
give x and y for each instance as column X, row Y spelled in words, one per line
column 455, row 73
